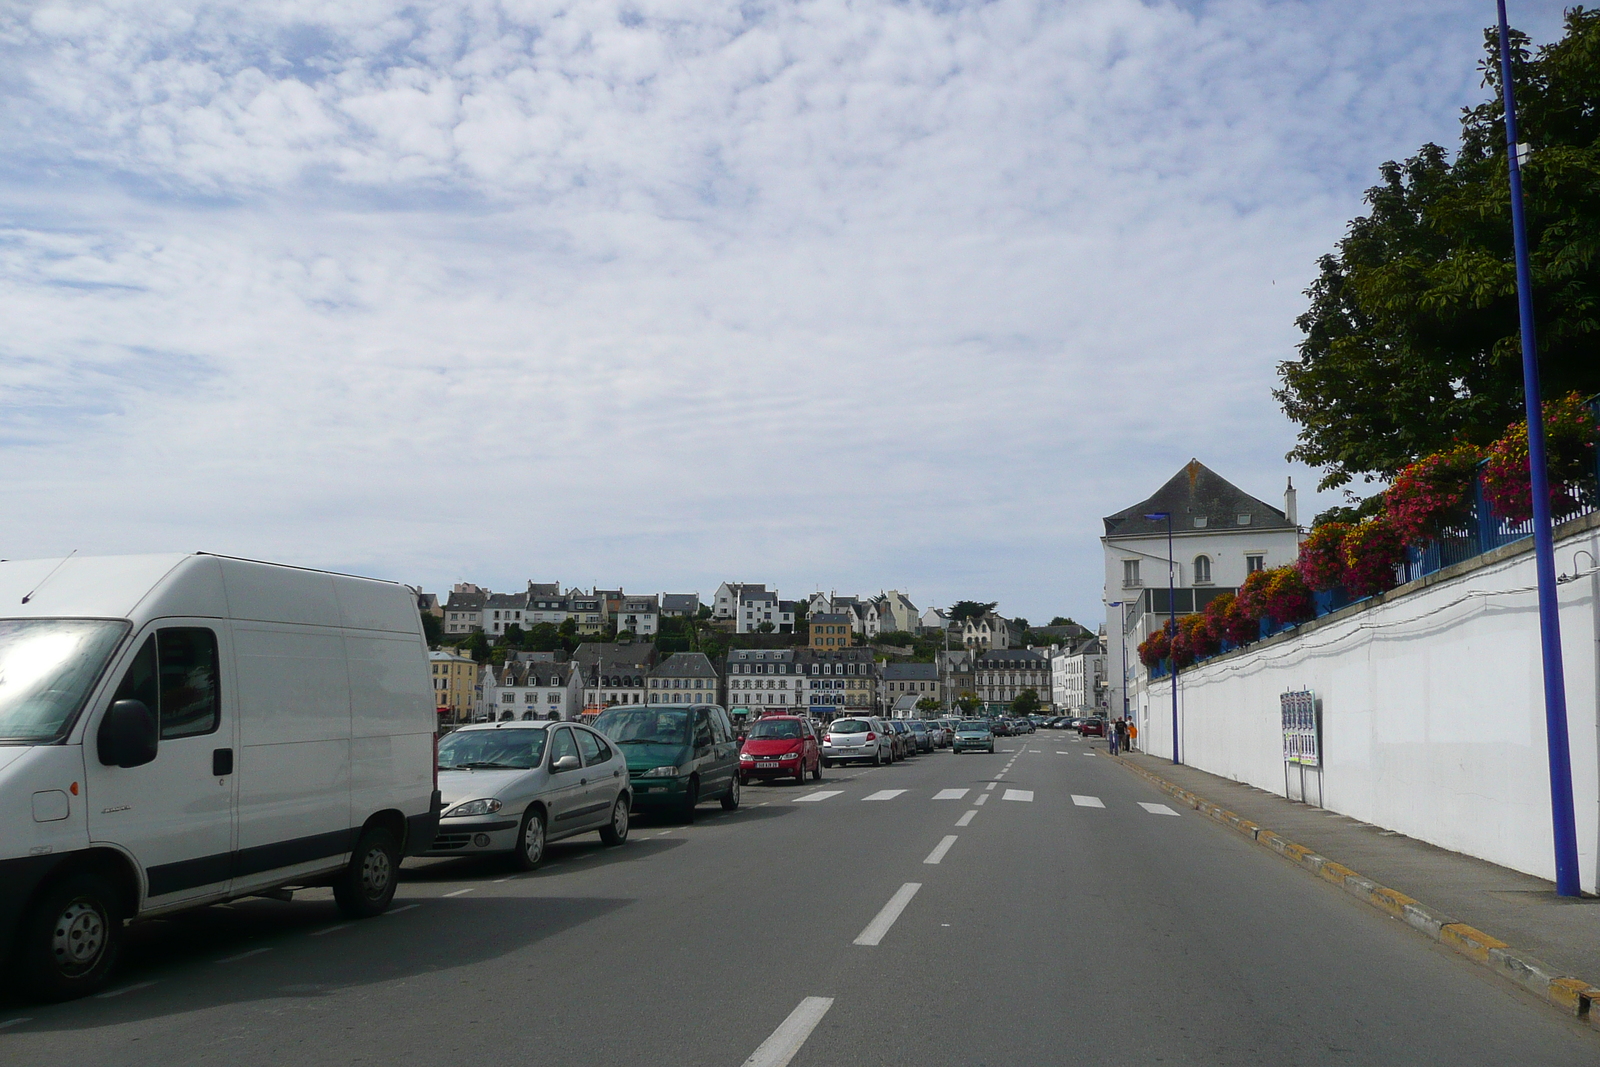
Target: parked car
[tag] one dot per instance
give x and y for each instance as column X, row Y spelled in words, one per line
column 857, row 740
column 973, row 735
column 780, row 746
column 905, row 745
column 999, row 728
column 513, row 787
column 224, row 719
column 677, row 756
column 941, row 732
column 1092, row 727
column 921, row 733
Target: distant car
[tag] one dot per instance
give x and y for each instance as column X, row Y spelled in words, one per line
column 1092, row 727
column 999, row 728
column 677, row 756
column 907, row 743
column 780, row 746
column 973, row 735
column 852, row 740
column 922, row 733
column 514, row 787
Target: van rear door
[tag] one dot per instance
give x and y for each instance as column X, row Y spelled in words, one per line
column 175, row 814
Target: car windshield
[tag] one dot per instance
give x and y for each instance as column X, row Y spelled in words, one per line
column 645, row 726
column 848, row 726
column 920, row 727
column 510, row 748
column 775, row 728
column 47, row 667
column 974, row 727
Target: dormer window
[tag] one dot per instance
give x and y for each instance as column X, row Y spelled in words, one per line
column 1244, row 520
column 1199, row 522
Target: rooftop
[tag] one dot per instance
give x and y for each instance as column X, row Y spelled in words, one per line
column 1196, row 493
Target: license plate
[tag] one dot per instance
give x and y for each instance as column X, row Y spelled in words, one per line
column 764, row 766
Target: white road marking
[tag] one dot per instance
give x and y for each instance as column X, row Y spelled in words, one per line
column 124, row 989
column 1060, row 753
column 1156, row 809
column 982, row 799
column 1087, row 802
column 779, row 1049
column 664, row 833
column 397, row 911
column 331, row 929
column 992, row 784
column 966, row 819
column 884, row 794
column 940, row 849
column 1034, row 751
column 1024, row 795
column 823, row 794
column 880, row 924
column 461, row 892
column 951, row 794
column 1089, row 754
column 244, row 955
column 29, row 1018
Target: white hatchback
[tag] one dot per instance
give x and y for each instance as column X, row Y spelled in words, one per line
column 865, row 739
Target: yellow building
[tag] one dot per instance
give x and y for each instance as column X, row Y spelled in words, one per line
column 830, row 631
column 455, row 680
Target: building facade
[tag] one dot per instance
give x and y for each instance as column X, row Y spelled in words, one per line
column 532, row 685
column 830, row 631
column 613, row 673
column 1002, row 674
column 455, row 679
column 764, row 680
column 1078, row 682
column 1220, row 535
column 917, row 681
column 640, row 615
column 842, row 682
column 685, row 678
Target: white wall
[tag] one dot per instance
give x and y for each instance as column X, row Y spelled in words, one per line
column 1432, row 710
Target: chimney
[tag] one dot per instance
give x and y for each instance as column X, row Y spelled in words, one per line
column 1289, row 510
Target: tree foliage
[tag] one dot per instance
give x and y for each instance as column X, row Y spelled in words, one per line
column 963, row 610
column 1411, row 338
column 1026, row 702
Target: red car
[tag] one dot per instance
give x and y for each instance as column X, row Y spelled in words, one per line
column 780, row 746
column 1095, row 726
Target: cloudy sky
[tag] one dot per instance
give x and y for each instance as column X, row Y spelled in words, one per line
column 830, row 294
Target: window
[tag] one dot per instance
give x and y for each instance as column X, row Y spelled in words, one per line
column 1202, row 570
column 562, row 746
column 1244, row 520
column 1199, row 522
column 594, row 750
column 702, row 728
column 175, row 675
column 1130, row 573
column 1253, row 563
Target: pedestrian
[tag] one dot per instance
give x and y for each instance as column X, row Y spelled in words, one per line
column 1133, row 734
column 1111, row 736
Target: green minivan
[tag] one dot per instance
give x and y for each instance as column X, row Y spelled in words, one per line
column 678, row 755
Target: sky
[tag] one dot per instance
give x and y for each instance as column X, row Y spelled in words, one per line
column 838, row 294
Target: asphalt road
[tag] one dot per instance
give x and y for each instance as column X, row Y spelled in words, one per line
column 1063, row 923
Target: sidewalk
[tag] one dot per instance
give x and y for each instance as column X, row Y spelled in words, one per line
column 1516, row 908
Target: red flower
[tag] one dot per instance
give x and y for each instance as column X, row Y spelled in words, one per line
column 1570, row 434
column 1286, row 597
column 1228, row 622
column 1432, row 494
column 1321, row 562
column 1371, row 552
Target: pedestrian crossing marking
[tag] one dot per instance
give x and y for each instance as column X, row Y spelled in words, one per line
column 884, row 794
column 951, row 794
column 1156, row 809
column 1024, row 795
column 821, row 794
column 1087, row 802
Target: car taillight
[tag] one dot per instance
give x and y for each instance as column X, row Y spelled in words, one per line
column 872, row 737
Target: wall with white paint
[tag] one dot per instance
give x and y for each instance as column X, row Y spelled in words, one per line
column 1433, row 719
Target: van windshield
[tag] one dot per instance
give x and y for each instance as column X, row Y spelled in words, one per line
column 47, row 667
column 645, row 726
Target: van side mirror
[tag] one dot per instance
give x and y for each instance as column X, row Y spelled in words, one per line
column 128, row 735
column 565, row 763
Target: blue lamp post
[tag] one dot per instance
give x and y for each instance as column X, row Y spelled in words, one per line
column 1562, row 819
column 1172, row 613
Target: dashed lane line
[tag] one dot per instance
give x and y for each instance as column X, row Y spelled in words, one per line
column 125, row 989
column 822, row 794
column 941, row 848
column 401, row 910
column 461, row 892
column 983, row 798
column 880, row 924
column 1156, row 809
column 1087, row 802
column 780, row 1048
column 1024, row 795
column 244, row 955
column 19, row 1020
column 991, row 785
column 966, row 819
column 331, row 929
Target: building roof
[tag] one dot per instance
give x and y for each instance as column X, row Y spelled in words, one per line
column 686, row 665
column 833, row 619
column 1003, row 657
column 758, row 655
column 1196, row 492
column 521, row 673
column 472, row 601
column 639, row 603
column 451, row 657
column 680, row 603
column 544, row 588
column 911, row 672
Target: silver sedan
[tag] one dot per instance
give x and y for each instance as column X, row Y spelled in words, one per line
column 513, row 787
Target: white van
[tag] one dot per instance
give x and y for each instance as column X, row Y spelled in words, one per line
column 181, row 730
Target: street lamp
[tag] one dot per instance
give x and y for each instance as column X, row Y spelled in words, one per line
column 1562, row 818
column 1172, row 610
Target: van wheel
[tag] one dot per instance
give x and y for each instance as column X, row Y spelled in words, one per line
column 367, row 885
column 730, row 799
column 691, row 800
column 529, row 852
column 68, row 942
column 616, row 831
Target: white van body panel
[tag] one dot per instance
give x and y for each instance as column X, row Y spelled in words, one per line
column 326, row 704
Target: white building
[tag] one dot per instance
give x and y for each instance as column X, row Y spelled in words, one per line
column 758, row 606
column 765, row 680
column 463, row 611
column 614, row 673
column 640, row 614
column 1220, row 534
column 1000, row 675
column 1078, row 676
column 897, row 613
column 685, row 678
column 534, row 685
column 991, row 631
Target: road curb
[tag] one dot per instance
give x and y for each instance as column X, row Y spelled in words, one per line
column 1571, row 996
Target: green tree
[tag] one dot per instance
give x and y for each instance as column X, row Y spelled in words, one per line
column 704, row 612
column 432, row 629
column 1411, row 338
column 478, row 646
column 568, row 627
column 513, row 636
column 1062, row 620
column 968, row 703
column 927, row 704
column 1026, row 702
column 963, row 610
column 543, row 637
column 765, row 628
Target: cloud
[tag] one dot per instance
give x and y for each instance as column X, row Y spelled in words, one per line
column 832, row 293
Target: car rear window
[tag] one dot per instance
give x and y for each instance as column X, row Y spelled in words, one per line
column 848, row 726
